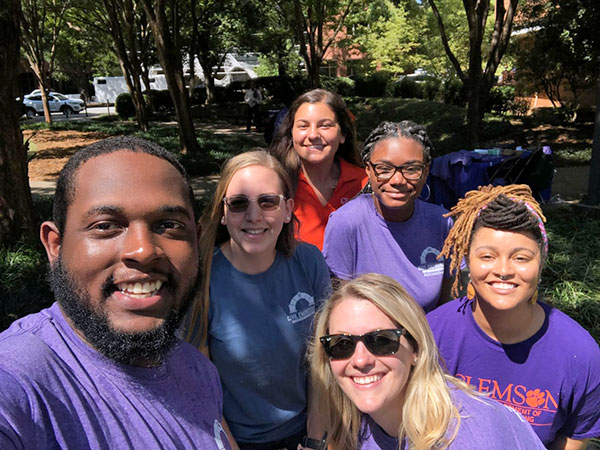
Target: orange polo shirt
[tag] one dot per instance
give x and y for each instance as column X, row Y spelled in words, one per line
column 308, row 209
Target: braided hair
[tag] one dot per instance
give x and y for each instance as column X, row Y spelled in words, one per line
column 406, row 129
column 506, row 208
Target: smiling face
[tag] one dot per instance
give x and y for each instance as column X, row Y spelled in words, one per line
column 316, row 134
column 254, row 232
column 395, row 198
column 505, row 267
column 129, row 246
column 375, row 384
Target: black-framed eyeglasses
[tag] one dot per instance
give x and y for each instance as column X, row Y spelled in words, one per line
column 385, row 171
column 266, row 202
column 378, row 342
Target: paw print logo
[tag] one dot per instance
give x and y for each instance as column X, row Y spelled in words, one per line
column 535, row 398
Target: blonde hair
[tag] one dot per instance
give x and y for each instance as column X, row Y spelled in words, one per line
column 509, row 208
column 214, row 233
column 428, row 411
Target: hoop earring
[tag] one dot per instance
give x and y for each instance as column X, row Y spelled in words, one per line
column 470, row 291
column 428, row 193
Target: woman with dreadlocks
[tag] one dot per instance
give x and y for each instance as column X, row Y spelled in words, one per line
column 499, row 338
column 389, row 230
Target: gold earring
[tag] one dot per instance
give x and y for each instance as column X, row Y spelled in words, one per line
column 534, row 297
column 470, row 291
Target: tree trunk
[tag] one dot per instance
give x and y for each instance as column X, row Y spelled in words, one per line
column 124, row 38
column 593, row 193
column 16, row 207
column 42, row 86
column 209, row 81
column 170, row 60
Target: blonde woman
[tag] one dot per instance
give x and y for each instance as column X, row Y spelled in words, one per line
column 376, row 373
column 260, row 291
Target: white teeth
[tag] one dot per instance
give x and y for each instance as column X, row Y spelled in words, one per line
column 366, row 380
column 147, row 289
column 255, row 231
column 504, row 285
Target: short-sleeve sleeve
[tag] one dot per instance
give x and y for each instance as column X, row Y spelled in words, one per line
column 337, row 247
column 17, row 430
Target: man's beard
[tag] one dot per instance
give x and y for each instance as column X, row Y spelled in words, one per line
column 147, row 348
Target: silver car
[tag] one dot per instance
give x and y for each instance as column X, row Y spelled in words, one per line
column 56, row 102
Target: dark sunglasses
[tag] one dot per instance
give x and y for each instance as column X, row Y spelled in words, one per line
column 266, row 202
column 378, row 342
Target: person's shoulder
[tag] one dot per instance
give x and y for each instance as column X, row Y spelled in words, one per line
column 431, row 209
column 488, row 421
column 561, row 326
column 449, row 311
column 352, row 207
column 306, row 253
column 24, row 333
column 350, row 171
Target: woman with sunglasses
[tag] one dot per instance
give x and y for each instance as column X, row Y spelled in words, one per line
column 316, row 143
column 390, row 231
column 375, row 370
column 500, row 338
column 260, row 290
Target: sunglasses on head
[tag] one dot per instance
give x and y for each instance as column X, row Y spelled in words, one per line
column 378, row 342
column 266, row 202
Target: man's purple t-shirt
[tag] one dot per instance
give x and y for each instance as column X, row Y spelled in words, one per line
column 57, row 392
column 358, row 240
column 552, row 378
column 484, row 424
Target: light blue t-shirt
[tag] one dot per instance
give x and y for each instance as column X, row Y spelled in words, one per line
column 484, row 424
column 257, row 334
column 358, row 240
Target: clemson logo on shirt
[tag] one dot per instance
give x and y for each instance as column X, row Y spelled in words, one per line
column 302, row 306
column 537, row 405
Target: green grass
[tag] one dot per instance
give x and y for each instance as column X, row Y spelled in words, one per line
column 571, row 278
column 572, row 157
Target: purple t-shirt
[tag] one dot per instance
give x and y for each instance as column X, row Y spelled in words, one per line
column 59, row 393
column 484, row 424
column 552, row 378
column 358, row 240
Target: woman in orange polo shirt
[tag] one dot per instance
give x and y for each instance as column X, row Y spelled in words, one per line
column 317, row 145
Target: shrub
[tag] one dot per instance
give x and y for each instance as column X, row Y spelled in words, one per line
column 406, row 88
column 500, row 99
column 519, row 106
column 454, row 92
column 124, row 106
column 344, row 86
column 551, row 116
column 373, row 85
column 431, row 89
column 159, row 100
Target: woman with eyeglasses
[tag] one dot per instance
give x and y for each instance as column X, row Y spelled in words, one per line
column 376, row 372
column 259, row 293
column 316, row 143
column 391, row 231
column 499, row 338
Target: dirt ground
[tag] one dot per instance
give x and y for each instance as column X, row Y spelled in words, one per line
column 53, row 149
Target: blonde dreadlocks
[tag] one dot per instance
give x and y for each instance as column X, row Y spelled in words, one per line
column 508, row 208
